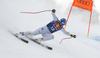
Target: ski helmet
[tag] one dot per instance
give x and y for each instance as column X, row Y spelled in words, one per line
column 63, row 21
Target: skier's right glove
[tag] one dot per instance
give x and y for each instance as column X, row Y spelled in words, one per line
column 74, row 36
column 53, row 10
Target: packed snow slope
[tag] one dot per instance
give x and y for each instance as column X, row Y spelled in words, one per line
column 12, row 19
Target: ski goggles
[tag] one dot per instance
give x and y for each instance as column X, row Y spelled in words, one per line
column 63, row 23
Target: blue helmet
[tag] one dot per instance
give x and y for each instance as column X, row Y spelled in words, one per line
column 63, row 21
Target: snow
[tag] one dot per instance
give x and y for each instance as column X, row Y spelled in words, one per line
column 81, row 47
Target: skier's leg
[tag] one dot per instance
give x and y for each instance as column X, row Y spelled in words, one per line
column 42, row 30
column 46, row 34
column 36, row 32
column 48, row 37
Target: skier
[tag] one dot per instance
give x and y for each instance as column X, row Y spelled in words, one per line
column 46, row 31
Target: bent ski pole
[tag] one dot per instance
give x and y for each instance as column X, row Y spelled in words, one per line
column 65, row 38
column 36, row 12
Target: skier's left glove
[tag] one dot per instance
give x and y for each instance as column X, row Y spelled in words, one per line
column 74, row 36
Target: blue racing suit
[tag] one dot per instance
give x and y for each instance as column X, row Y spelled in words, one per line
column 54, row 25
column 46, row 31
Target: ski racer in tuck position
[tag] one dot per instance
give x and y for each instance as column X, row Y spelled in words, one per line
column 46, row 31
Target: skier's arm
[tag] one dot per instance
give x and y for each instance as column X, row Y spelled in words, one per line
column 67, row 33
column 54, row 16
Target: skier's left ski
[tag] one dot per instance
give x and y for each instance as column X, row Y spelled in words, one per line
column 50, row 48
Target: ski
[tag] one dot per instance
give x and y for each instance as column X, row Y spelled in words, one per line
column 26, row 41
column 50, row 48
column 22, row 39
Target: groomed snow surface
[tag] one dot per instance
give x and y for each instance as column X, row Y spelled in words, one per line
column 12, row 19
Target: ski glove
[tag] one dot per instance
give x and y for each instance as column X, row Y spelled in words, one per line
column 53, row 10
column 74, row 36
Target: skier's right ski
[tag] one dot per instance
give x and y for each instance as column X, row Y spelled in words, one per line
column 50, row 48
column 26, row 41
column 22, row 39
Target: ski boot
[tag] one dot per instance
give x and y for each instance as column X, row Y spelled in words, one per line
column 20, row 34
column 39, row 39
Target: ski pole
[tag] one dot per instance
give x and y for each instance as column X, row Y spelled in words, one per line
column 65, row 38
column 36, row 12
